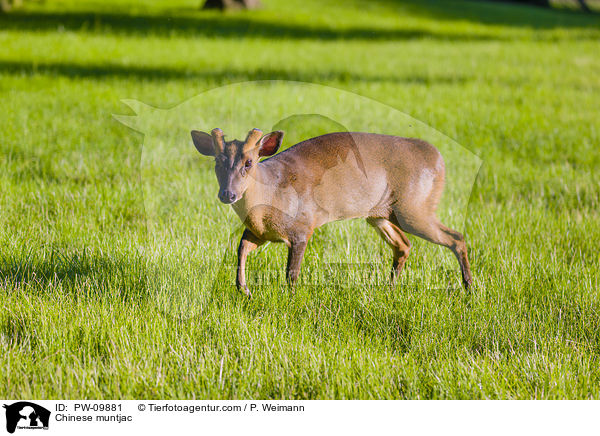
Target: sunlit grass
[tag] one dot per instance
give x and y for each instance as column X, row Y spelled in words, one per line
column 95, row 306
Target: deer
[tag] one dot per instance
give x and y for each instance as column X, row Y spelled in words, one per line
column 395, row 183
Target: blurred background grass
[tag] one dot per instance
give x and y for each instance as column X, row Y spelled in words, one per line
column 80, row 277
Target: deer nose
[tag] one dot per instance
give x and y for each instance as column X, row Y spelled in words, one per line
column 227, row 196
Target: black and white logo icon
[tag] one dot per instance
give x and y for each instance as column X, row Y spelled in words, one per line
column 26, row 415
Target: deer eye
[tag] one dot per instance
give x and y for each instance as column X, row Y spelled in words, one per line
column 222, row 159
column 248, row 164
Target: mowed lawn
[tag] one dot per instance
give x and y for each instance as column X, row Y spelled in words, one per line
column 95, row 304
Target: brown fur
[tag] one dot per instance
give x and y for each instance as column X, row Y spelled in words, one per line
column 395, row 183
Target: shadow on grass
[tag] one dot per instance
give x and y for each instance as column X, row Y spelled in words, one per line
column 82, row 273
column 100, row 71
column 225, row 26
column 497, row 13
column 243, row 25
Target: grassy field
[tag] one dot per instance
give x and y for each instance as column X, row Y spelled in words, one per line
column 98, row 303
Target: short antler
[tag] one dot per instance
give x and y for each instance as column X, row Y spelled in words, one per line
column 217, row 134
column 253, row 137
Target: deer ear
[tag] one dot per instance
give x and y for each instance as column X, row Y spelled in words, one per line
column 270, row 143
column 203, row 142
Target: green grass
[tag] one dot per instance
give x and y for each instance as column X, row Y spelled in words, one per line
column 97, row 304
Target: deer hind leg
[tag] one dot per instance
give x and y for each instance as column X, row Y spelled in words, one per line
column 396, row 239
column 295, row 256
column 433, row 230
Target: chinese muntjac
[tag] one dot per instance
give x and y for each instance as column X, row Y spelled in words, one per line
column 393, row 182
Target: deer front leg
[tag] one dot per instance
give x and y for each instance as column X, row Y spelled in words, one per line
column 248, row 243
column 295, row 255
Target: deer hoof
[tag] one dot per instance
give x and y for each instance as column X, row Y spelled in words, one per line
column 245, row 290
